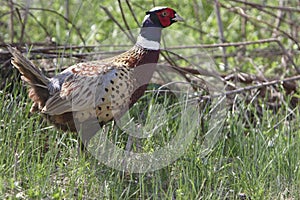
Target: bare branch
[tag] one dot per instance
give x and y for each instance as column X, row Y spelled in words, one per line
column 11, row 22
column 132, row 12
column 60, row 15
column 268, row 6
column 24, row 21
column 221, row 32
column 207, row 46
column 125, row 21
column 241, row 13
column 116, row 22
column 252, row 87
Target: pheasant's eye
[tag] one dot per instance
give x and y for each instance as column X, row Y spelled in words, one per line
column 164, row 14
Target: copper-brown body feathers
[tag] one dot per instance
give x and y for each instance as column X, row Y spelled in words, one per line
column 107, row 88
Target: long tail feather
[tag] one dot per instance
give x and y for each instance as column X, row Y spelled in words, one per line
column 32, row 75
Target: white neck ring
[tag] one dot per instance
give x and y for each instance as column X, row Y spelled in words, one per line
column 147, row 44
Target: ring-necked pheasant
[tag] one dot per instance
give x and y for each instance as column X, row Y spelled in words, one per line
column 103, row 88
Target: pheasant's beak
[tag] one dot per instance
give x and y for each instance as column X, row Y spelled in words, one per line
column 177, row 18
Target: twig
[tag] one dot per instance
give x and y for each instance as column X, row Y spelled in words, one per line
column 23, row 22
column 125, row 21
column 174, row 65
column 221, row 33
column 241, row 13
column 271, row 13
column 200, row 31
column 45, row 47
column 67, row 9
column 191, row 71
column 204, row 46
column 229, row 44
column 197, row 17
column 291, row 9
column 11, row 22
column 40, row 24
column 116, row 22
column 288, row 56
column 243, row 28
column 132, row 13
column 252, row 87
column 60, row 15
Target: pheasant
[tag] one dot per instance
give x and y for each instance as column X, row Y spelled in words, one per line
column 104, row 89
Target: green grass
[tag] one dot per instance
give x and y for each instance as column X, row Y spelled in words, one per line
column 251, row 159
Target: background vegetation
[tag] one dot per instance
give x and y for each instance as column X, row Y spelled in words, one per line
column 249, row 46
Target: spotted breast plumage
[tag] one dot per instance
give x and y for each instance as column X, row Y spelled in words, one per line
column 104, row 88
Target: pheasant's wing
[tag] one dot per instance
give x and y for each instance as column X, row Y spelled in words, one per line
column 86, row 86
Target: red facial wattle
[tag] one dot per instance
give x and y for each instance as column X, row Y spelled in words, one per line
column 165, row 16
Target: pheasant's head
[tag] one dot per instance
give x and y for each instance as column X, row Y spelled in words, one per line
column 161, row 17
column 155, row 20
